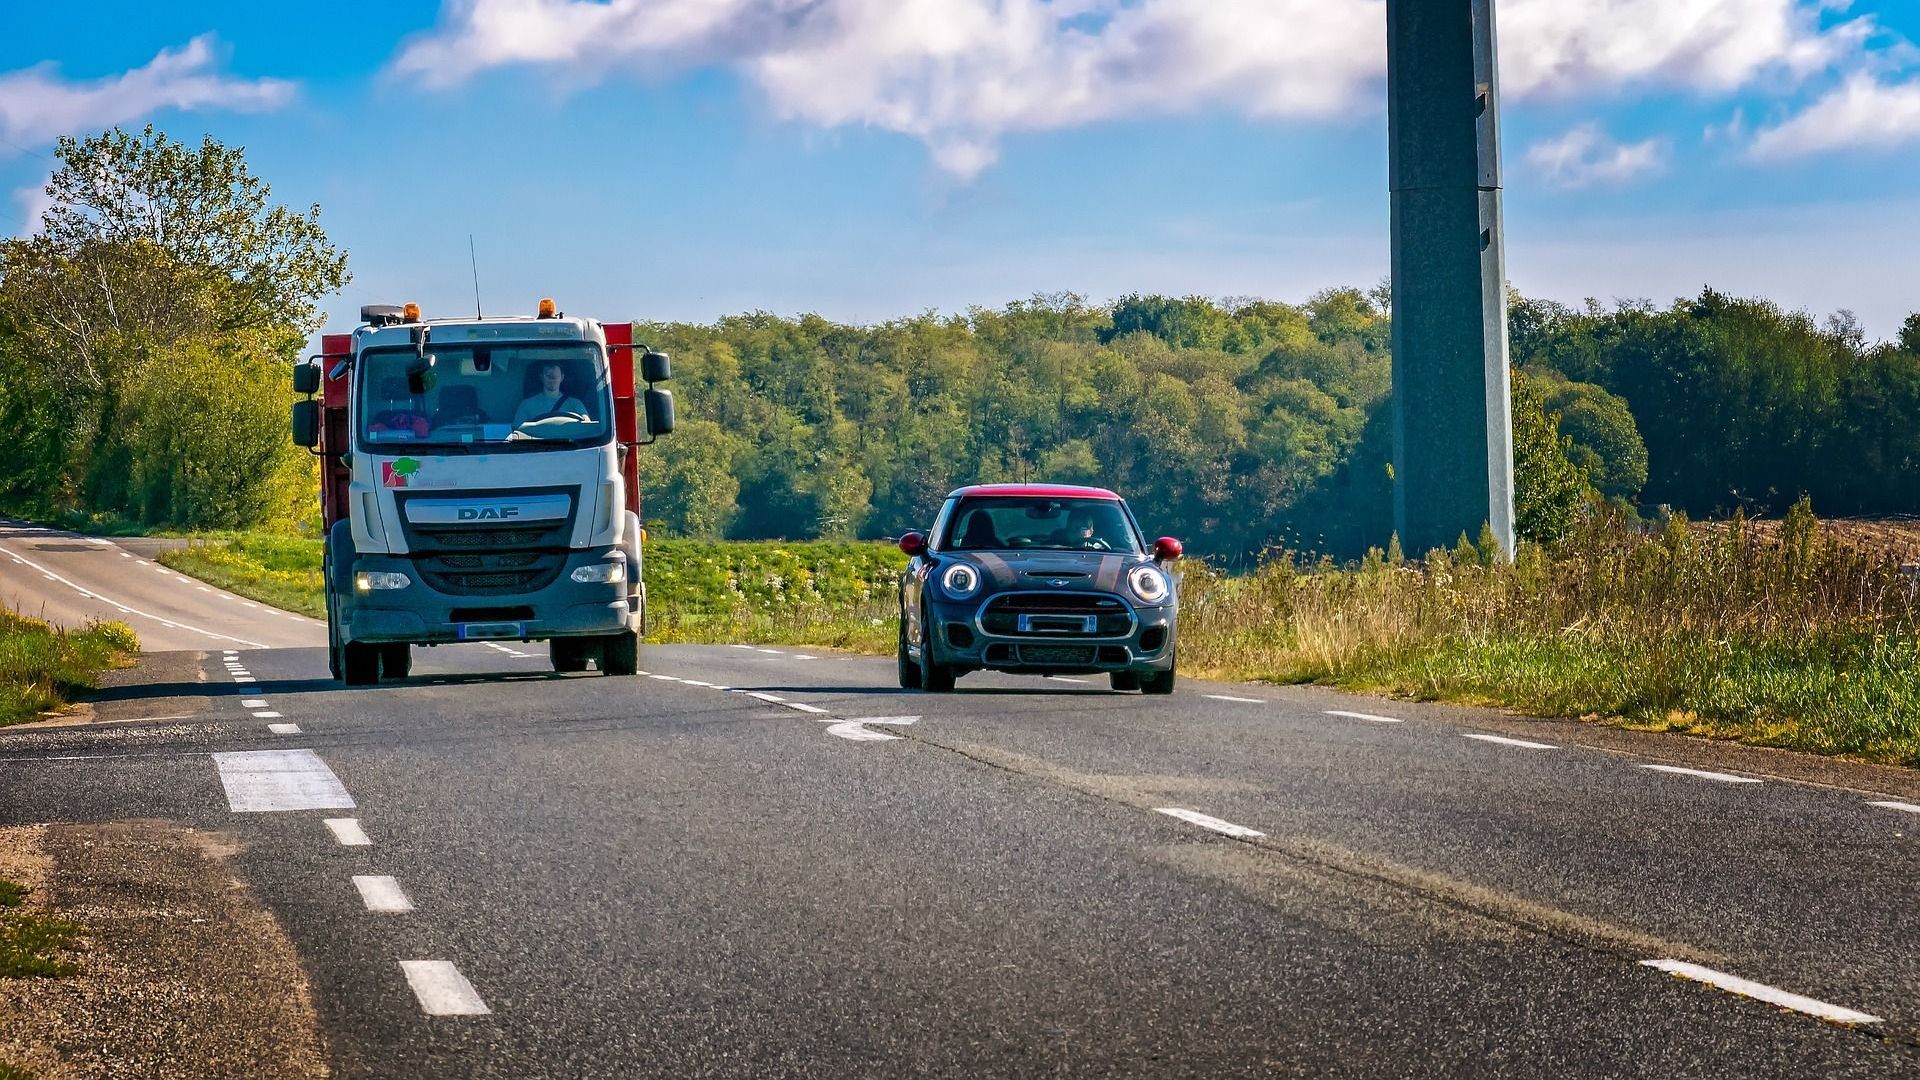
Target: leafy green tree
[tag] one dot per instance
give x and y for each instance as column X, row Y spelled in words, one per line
column 1602, row 437
column 1548, row 488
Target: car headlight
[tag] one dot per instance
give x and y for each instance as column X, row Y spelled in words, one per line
column 601, row 573
column 1147, row 583
column 960, row 581
column 380, row 579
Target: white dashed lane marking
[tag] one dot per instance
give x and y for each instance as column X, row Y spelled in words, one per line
column 253, row 703
column 1364, row 716
column 382, row 894
column 1241, row 700
column 1209, row 822
column 442, row 990
column 1772, row 995
column 264, row 781
column 284, row 729
column 1724, row 778
column 348, row 832
column 1504, row 741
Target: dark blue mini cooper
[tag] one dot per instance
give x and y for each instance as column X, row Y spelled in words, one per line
column 1037, row 580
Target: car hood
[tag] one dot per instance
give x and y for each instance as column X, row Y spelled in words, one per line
column 1047, row 571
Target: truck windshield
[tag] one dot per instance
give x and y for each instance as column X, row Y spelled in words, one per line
column 1003, row 523
column 502, row 395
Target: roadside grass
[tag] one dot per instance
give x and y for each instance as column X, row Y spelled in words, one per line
column 8, row 1072
column 273, row 568
column 1788, row 635
column 33, row 946
column 41, row 667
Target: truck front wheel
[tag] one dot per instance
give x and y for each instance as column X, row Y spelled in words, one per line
column 359, row 663
column 568, row 654
column 620, row 653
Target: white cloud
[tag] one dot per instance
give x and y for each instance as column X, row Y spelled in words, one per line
column 1862, row 112
column 1587, row 155
column 29, row 204
column 37, row 104
column 961, row 75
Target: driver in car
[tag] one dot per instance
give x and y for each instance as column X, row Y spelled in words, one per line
column 1082, row 533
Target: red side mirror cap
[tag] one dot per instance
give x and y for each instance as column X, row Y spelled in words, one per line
column 1167, row 549
column 913, row 544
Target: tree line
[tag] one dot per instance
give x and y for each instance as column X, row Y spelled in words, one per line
column 145, row 334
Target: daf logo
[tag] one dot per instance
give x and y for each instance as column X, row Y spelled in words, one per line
column 488, row 513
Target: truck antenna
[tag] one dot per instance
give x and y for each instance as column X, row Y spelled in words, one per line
column 474, row 261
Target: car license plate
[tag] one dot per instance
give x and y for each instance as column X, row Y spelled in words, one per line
column 491, row 631
column 1058, row 624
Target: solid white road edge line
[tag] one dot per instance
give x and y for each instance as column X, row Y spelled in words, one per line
column 442, row 990
column 1504, row 741
column 382, row 894
column 1365, row 716
column 1242, row 700
column 133, row 610
column 1206, row 821
column 1725, row 778
column 1772, row 995
column 1907, row 806
column 348, row 832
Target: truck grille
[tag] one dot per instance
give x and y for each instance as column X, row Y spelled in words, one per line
column 1112, row 617
column 490, row 574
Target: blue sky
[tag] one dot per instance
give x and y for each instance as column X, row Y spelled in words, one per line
column 684, row 159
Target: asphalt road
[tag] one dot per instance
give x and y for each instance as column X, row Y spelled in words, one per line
column 718, row 869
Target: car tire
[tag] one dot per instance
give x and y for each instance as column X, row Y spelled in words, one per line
column 359, row 663
column 1124, row 680
column 935, row 678
column 620, row 653
column 567, row 654
column 909, row 668
column 396, row 661
column 1157, row 682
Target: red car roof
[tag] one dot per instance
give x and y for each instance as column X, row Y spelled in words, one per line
column 1045, row 491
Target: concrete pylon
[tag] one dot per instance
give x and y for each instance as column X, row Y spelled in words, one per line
column 1452, row 415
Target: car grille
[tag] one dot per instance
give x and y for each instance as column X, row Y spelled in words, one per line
column 1057, row 654
column 1112, row 617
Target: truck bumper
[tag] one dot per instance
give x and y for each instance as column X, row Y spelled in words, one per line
column 422, row 615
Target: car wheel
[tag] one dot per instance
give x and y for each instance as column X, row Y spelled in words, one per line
column 1157, row 682
column 934, row 678
column 1124, row 680
column 909, row 668
column 359, row 663
column 620, row 653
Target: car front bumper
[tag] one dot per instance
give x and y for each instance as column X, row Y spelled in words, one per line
column 958, row 640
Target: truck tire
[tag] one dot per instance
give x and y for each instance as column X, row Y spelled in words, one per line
column 568, row 654
column 333, row 640
column 359, row 663
column 620, row 653
column 396, row 661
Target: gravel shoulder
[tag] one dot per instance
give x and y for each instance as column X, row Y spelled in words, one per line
column 184, row 972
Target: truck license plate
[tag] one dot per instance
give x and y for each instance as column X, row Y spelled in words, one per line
column 491, row 631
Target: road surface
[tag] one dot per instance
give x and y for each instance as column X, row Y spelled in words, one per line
column 760, row 861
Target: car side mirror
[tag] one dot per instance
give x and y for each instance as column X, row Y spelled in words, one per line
column 306, row 422
column 655, row 367
column 1167, row 549
column 306, row 379
column 914, row 544
column 659, row 412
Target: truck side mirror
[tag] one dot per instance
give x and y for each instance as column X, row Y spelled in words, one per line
column 659, row 412
column 306, row 379
column 655, row 367
column 306, row 421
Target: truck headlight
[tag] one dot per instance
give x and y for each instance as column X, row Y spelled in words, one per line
column 372, row 580
column 1147, row 583
column 601, row 573
column 960, row 581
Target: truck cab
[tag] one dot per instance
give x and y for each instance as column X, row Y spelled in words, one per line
column 479, row 484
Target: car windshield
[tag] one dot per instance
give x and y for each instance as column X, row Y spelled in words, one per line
column 1009, row 523
column 525, row 396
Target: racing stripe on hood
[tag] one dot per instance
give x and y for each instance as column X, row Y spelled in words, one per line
column 998, row 571
column 1108, row 579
